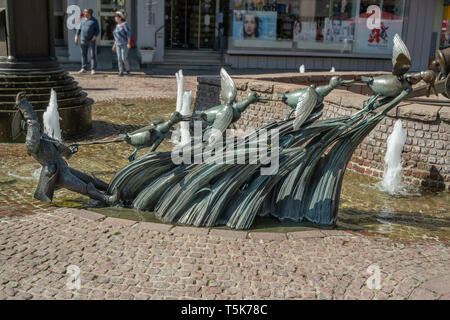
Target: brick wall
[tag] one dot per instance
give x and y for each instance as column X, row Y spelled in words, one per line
column 426, row 154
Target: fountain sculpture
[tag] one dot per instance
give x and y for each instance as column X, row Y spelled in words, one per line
column 312, row 157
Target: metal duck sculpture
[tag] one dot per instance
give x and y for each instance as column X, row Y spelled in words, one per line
column 304, row 101
column 391, row 85
column 307, row 185
column 219, row 118
column 152, row 135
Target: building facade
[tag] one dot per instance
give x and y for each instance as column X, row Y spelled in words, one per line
column 283, row 34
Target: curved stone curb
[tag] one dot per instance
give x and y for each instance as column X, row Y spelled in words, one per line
column 220, row 233
column 436, row 288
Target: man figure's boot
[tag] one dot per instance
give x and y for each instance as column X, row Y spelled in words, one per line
column 93, row 193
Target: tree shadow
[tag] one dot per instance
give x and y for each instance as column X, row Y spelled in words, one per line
column 101, row 130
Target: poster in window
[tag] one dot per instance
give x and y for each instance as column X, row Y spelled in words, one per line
column 378, row 39
column 336, row 30
column 304, row 30
column 256, row 25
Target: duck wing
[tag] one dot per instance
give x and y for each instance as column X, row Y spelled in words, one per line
column 144, row 129
column 307, row 101
column 401, row 58
column 228, row 88
column 223, row 120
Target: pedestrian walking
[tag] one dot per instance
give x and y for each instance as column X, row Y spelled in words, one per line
column 87, row 37
column 122, row 43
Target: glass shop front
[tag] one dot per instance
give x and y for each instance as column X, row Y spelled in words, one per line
column 361, row 27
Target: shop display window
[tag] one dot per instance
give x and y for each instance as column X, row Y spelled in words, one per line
column 345, row 26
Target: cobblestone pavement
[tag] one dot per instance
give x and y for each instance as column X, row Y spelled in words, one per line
column 121, row 259
column 107, row 86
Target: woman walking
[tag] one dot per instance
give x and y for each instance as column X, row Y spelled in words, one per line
column 122, row 43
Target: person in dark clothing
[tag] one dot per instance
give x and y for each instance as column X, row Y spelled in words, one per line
column 87, row 37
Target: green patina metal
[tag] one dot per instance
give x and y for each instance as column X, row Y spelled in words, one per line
column 312, row 156
column 303, row 101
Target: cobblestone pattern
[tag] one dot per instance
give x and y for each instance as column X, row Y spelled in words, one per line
column 427, row 151
column 107, row 86
column 121, row 259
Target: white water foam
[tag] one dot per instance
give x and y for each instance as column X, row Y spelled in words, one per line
column 393, row 176
column 186, row 111
column 52, row 118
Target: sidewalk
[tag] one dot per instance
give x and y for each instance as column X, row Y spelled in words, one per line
column 107, row 86
column 121, row 259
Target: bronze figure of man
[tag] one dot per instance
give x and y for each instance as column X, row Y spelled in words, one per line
column 56, row 173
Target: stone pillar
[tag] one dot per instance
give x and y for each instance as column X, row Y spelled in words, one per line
column 30, row 65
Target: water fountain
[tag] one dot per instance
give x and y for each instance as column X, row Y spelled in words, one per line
column 392, row 178
column 28, row 63
column 312, row 161
column 51, row 119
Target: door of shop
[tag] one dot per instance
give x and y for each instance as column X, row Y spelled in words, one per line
column 191, row 24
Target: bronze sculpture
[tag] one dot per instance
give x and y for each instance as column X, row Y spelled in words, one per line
column 49, row 153
column 312, row 154
column 393, row 84
column 304, row 101
column 152, row 135
column 220, row 117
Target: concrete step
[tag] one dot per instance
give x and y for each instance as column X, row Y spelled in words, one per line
column 194, row 61
column 192, row 55
column 191, row 59
column 192, row 52
column 185, row 66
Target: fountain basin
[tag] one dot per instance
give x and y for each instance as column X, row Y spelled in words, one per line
column 75, row 121
column 37, row 80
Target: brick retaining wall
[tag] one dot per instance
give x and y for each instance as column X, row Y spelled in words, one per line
column 426, row 154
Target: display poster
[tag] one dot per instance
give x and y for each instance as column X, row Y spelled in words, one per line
column 256, row 25
column 377, row 40
column 304, row 31
column 335, row 30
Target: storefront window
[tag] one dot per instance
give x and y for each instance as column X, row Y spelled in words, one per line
column 445, row 31
column 345, row 26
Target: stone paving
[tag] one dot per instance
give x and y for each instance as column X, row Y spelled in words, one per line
column 120, row 259
column 107, row 86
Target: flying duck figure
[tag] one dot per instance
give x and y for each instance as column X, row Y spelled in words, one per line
column 219, row 118
column 391, row 85
column 304, row 101
column 151, row 135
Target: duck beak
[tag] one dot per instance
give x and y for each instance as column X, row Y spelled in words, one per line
column 195, row 117
column 186, row 118
column 347, row 83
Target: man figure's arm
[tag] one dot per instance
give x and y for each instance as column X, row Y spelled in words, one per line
column 33, row 129
column 96, row 30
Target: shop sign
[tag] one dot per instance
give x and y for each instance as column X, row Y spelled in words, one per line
column 373, row 39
